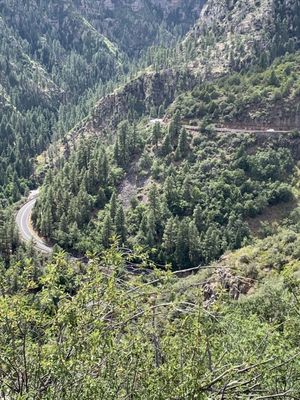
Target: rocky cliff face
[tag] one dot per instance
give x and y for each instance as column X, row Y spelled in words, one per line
column 283, row 114
column 136, row 99
column 227, row 33
column 69, row 46
column 231, row 34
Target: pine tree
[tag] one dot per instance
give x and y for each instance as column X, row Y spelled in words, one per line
column 167, row 146
column 143, row 229
column 63, row 224
column 91, row 179
column 274, row 81
column 46, row 223
column 169, row 239
column 194, row 245
column 121, row 224
column 101, row 198
column 212, row 244
column 113, row 205
column 107, row 231
column 104, row 169
column 156, row 133
column 198, row 217
column 177, row 154
column 123, row 135
column 174, row 129
column 153, row 112
column 161, row 111
column 182, row 244
column 183, row 143
column 133, row 141
column 117, row 156
column 151, row 229
column 4, row 242
column 154, row 202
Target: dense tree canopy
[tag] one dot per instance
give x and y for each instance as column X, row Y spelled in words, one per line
column 146, row 307
column 189, row 215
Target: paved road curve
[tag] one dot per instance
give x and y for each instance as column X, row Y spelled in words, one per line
column 23, row 221
column 23, row 218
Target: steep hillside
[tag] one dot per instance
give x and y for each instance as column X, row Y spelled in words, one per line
column 268, row 99
column 183, row 274
column 57, row 59
column 134, row 25
column 171, row 171
column 26, row 82
column 229, row 36
column 83, row 38
column 234, row 34
column 147, row 95
column 185, row 196
column 58, row 44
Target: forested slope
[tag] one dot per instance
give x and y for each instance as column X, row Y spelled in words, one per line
column 234, row 34
column 57, row 58
column 184, row 276
column 171, row 171
column 266, row 98
column 135, row 25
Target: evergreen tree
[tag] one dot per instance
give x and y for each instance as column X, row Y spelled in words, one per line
column 166, row 146
column 113, row 205
column 143, row 229
column 156, row 133
column 161, row 111
column 174, row 129
column 183, row 143
column 212, row 245
column 194, row 245
column 274, row 81
column 198, row 217
column 151, row 229
column 107, row 231
column 120, row 223
column 169, row 239
column 182, row 245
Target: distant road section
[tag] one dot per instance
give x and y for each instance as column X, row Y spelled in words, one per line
column 238, row 130
column 26, row 231
column 257, row 131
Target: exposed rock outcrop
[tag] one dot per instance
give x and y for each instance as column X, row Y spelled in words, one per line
column 282, row 114
column 144, row 92
column 225, row 280
column 231, row 34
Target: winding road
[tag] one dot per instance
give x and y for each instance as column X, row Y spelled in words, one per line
column 23, row 220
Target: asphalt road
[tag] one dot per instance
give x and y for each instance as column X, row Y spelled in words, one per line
column 237, row 130
column 23, row 220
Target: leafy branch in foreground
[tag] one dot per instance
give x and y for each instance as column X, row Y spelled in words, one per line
column 94, row 331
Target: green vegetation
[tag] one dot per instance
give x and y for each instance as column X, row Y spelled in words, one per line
column 55, row 63
column 247, row 97
column 21, row 138
column 168, row 294
column 97, row 335
column 233, row 35
column 199, row 193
